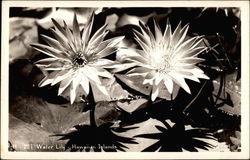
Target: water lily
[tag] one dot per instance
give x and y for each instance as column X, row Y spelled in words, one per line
column 167, row 58
column 76, row 59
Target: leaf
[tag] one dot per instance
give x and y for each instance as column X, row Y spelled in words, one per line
column 32, row 121
column 67, row 15
column 230, row 100
column 235, row 141
column 131, row 106
column 23, row 31
column 127, row 19
column 106, row 112
column 30, row 137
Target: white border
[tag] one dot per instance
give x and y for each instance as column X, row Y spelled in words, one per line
column 244, row 154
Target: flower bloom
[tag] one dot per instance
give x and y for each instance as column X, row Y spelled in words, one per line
column 167, row 58
column 76, row 59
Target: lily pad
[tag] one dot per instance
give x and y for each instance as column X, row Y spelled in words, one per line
column 230, row 100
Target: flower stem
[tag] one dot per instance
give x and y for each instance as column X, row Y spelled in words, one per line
column 92, row 116
column 92, row 107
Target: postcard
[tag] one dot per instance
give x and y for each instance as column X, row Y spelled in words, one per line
column 125, row 80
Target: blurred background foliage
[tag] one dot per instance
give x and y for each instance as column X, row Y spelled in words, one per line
column 209, row 119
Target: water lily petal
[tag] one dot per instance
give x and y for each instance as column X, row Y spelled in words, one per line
column 193, row 78
column 55, row 65
column 102, row 62
column 199, row 73
column 144, row 43
column 70, row 38
column 190, row 44
column 184, row 72
column 106, row 52
column 139, row 70
column 178, row 79
column 118, row 67
column 191, row 60
column 98, row 36
column 167, row 36
column 102, row 72
column 58, row 27
column 101, row 88
column 48, row 79
column 169, row 84
column 75, row 83
column 194, row 52
column 85, row 84
column 52, row 52
column 87, row 30
column 146, row 33
column 91, row 74
column 155, row 92
column 61, row 76
column 149, row 78
column 64, row 84
column 158, row 78
column 46, row 61
column 57, row 45
column 61, row 39
column 137, row 59
column 158, row 32
column 176, row 35
column 182, row 35
column 76, row 34
column 112, row 42
column 53, row 43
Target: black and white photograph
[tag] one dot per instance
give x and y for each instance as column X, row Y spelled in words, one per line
column 134, row 79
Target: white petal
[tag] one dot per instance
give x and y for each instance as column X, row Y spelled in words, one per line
column 102, row 72
column 137, row 59
column 155, row 92
column 193, row 78
column 101, row 88
column 64, row 84
column 85, row 84
column 183, row 34
column 72, row 95
column 48, row 79
column 158, row 78
column 169, row 85
column 199, row 73
column 203, row 76
column 167, row 34
column 158, row 32
column 73, row 91
column 138, row 70
column 102, row 62
column 146, row 33
column 176, row 35
column 178, row 79
column 106, row 52
column 121, row 67
column 61, row 76
column 98, row 36
column 91, row 74
column 149, row 77
column 149, row 81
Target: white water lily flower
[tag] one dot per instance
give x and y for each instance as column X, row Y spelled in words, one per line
column 167, row 58
column 76, row 58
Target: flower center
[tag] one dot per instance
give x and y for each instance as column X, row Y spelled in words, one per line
column 79, row 60
column 164, row 66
